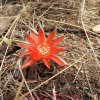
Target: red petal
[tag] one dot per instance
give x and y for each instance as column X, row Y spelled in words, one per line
column 34, row 37
column 36, row 56
column 25, row 46
column 57, row 50
column 27, row 63
column 58, row 60
column 41, row 36
column 25, row 53
column 50, row 37
column 31, row 41
column 46, row 62
column 57, row 41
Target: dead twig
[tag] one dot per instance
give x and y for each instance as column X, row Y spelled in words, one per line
column 55, row 21
column 19, row 89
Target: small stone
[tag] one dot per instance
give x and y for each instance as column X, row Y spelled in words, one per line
column 96, row 28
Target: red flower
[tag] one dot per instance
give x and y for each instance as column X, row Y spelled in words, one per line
column 42, row 48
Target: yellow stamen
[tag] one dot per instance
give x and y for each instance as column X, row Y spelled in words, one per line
column 43, row 49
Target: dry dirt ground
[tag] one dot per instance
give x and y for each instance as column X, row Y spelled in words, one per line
column 74, row 19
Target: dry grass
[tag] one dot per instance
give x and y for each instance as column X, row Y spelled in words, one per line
column 80, row 79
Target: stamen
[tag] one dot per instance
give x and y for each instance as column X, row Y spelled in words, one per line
column 43, row 49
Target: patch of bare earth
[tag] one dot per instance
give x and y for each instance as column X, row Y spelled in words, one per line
column 74, row 19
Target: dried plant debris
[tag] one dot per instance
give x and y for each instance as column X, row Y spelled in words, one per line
column 80, row 80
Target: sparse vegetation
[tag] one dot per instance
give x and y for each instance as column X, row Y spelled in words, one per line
column 76, row 20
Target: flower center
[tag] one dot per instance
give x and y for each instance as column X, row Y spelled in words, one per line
column 43, row 49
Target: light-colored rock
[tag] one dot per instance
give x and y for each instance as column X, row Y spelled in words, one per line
column 4, row 25
column 7, row 41
column 96, row 28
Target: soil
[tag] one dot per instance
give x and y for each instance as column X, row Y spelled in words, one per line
column 80, row 80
